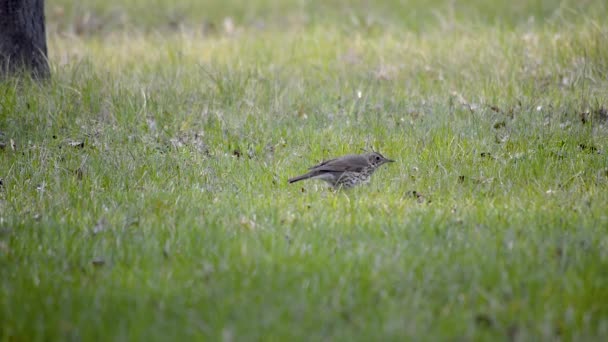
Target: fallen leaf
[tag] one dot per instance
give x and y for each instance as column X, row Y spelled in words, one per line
column 247, row 223
column 176, row 142
column 500, row 124
column 79, row 173
column 584, row 116
column 589, row 148
column 98, row 262
column 75, row 143
column 419, row 197
column 501, row 138
column 602, row 113
column 484, row 320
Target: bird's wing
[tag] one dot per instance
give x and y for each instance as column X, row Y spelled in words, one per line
column 354, row 163
column 321, row 164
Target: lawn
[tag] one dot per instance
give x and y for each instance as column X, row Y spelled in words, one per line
column 144, row 190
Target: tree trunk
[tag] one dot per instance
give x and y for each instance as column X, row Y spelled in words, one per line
column 23, row 38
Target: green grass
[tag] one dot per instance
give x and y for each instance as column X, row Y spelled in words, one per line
column 175, row 221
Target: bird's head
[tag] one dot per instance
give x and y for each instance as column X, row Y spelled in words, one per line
column 376, row 159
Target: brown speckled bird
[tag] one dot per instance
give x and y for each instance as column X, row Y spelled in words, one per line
column 347, row 171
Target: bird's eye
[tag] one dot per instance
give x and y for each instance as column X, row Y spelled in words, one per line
column 377, row 158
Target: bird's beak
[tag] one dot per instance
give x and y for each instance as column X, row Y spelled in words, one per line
column 389, row 161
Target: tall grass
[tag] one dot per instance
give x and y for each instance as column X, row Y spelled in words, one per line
column 144, row 191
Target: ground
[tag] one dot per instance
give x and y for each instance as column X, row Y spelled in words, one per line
column 144, row 190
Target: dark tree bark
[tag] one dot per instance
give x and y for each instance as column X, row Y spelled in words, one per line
column 23, row 38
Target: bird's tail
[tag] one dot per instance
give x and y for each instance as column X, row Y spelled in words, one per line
column 299, row 178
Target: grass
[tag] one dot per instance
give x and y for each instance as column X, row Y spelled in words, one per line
column 145, row 197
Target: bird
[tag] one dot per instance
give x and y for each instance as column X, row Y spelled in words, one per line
column 346, row 171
